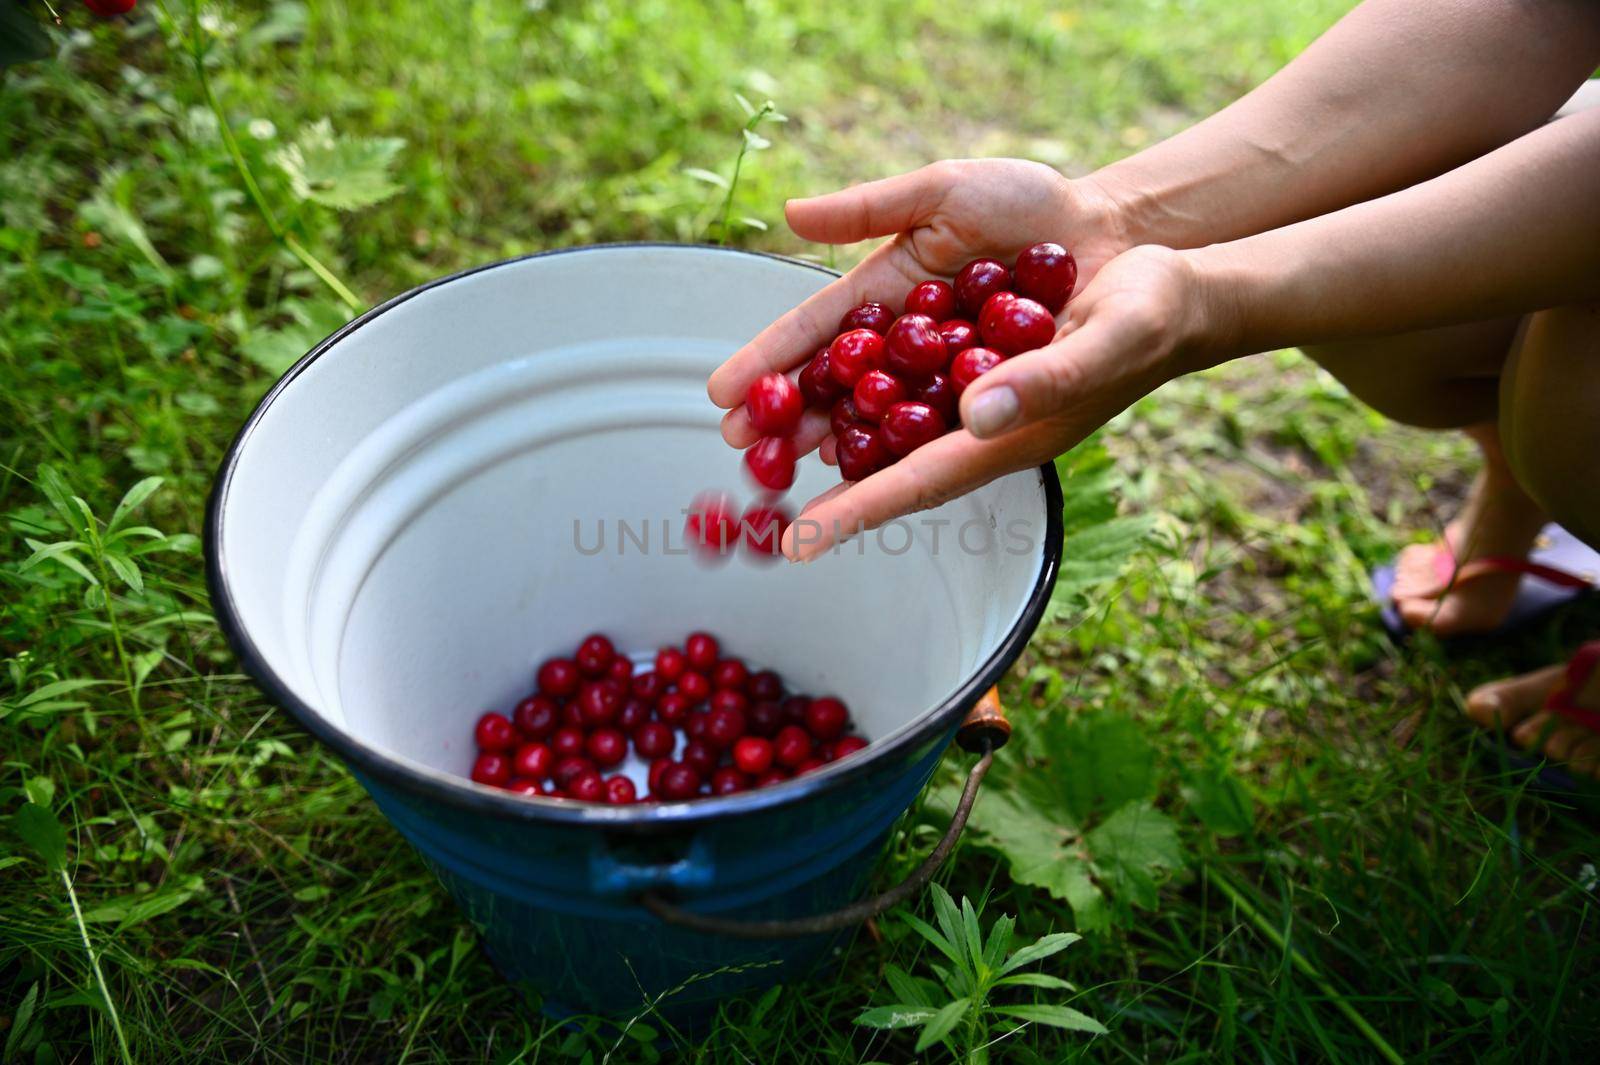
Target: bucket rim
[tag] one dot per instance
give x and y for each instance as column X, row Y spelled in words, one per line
column 471, row 797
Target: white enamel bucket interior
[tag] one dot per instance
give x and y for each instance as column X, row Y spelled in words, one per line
column 410, row 522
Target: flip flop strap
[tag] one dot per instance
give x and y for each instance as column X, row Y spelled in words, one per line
column 1451, row 575
column 1563, row 700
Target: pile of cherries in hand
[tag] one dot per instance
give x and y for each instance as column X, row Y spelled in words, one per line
column 703, row 722
column 890, row 383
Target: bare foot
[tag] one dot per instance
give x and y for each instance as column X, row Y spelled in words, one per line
column 1499, row 519
column 1516, row 706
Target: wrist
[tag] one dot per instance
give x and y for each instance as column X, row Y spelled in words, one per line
column 1109, row 206
column 1220, row 283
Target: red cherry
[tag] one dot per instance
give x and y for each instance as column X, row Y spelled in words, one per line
column 536, row 716
column 695, row 726
column 936, row 299
column 729, row 673
column 794, row 709
column 559, row 677
column 607, row 747
column 712, row 525
column 494, row 732
column 774, row 404
column 1014, row 324
column 572, row 717
column 908, row 426
column 753, row 755
column 728, row 780
column 792, row 746
column 724, row 724
column 873, row 316
column 588, row 787
column 763, row 527
column 492, row 768
column 696, row 686
column 599, row 701
column 1046, row 272
column 634, row 713
column 109, row 8
column 670, row 664
column 817, row 386
column 654, row 740
column 677, row 781
column 861, row 453
column 764, row 718
column 569, row 769
column 826, row 718
column 959, row 335
column 770, row 462
column 853, row 354
column 938, row 393
column 621, row 671
column 972, row 364
column 772, row 776
column 653, row 778
column 915, row 347
column 808, row 765
column 533, row 760
column 594, row 655
column 699, row 756
column 648, row 686
column 674, row 707
column 845, row 746
column 620, row 791
column 977, row 281
column 568, row 742
column 524, row 786
column 844, row 415
column 876, row 392
column 765, row 685
column 702, row 650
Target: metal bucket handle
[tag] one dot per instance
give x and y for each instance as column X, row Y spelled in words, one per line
column 984, row 731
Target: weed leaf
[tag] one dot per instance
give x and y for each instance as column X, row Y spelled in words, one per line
column 1056, row 1016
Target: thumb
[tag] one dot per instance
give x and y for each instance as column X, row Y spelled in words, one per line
column 876, row 209
column 1035, row 384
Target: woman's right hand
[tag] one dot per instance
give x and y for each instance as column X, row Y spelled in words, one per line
column 940, row 217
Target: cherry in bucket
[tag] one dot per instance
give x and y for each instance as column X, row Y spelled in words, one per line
column 693, row 722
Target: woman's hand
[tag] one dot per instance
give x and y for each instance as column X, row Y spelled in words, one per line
column 940, row 217
column 1144, row 319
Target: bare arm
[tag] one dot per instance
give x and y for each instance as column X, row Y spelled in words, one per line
column 1398, row 91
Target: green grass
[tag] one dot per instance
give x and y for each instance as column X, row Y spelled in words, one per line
column 1369, row 881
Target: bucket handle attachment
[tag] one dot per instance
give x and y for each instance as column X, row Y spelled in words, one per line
column 983, row 732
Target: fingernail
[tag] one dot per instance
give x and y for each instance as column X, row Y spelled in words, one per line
column 1485, row 702
column 994, row 411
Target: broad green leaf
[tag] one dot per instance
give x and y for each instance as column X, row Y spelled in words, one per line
column 345, row 173
column 1056, row 1016
column 1132, row 849
column 40, row 790
column 1219, row 800
column 61, row 551
column 126, row 570
column 38, row 827
column 1044, row 980
column 969, row 924
column 906, row 987
column 940, row 1024
column 949, row 918
column 276, row 349
column 1042, row 851
column 1043, row 947
column 901, row 1016
column 132, row 499
column 926, row 931
column 994, row 951
column 22, row 39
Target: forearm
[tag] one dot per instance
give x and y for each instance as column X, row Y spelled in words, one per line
column 1513, row 231
column 1397, row 92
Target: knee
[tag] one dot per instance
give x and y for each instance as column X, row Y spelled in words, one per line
column 1550, row 415
column 1410, row 390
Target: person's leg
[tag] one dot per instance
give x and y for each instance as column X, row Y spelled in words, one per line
column 1550, row 429
column 1449, row 379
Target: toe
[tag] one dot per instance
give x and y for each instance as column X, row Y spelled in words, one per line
column 1535, row 730
column 1507, row 703
column 1415, row 574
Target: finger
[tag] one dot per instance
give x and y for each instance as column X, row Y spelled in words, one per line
column 738, row 432
column 875, row 209
column 884, row 275
column 1038, row 384
column 828, row 450
column 939, row 471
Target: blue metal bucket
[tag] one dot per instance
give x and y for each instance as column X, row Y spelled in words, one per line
column 395, row 540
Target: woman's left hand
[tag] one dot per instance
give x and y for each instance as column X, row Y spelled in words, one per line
column 1144, row 319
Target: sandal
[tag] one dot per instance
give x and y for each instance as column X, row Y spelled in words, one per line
column 1561, row 701
column 1559, row 569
